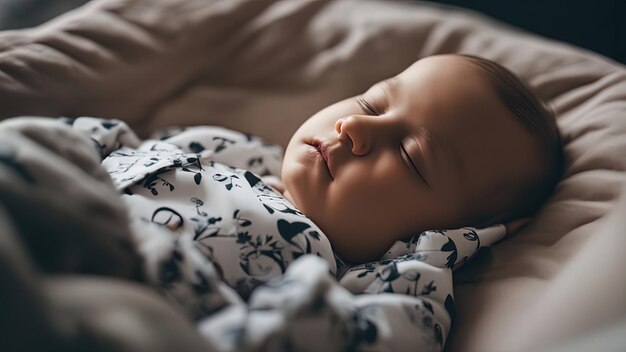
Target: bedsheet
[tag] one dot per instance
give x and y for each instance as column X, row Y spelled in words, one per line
column 157, row 63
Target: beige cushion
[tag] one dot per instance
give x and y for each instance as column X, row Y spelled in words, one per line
column 265, row 71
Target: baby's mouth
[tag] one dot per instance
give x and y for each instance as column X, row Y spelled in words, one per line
column 322, row 149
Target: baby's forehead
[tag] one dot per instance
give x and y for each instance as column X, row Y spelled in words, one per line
column 447, row 62
column 445, row 74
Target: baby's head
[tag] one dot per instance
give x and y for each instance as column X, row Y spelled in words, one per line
column 452, row 141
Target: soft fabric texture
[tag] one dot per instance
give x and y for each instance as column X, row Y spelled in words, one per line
column 264, row 67
column 63, row 165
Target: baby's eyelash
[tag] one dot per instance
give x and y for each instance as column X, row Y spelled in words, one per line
column 412, row 165
column 366, row 106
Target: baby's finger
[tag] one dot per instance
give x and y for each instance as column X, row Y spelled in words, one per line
column 516, row 225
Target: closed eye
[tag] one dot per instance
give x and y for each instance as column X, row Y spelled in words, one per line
column 412, row 165
column 367, row 107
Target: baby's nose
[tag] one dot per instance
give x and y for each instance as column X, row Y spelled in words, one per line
column 354, row 130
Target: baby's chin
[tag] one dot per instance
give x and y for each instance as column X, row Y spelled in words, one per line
column 354, row 253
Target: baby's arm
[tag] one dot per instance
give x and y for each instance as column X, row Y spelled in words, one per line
column 438, row 249
column 423, row 268
column 452, row 248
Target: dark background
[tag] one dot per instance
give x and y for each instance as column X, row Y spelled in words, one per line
column 598, row 25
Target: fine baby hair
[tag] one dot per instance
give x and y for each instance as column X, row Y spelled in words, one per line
column 540, row 119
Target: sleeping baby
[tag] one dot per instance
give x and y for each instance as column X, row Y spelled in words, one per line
column 388, row 191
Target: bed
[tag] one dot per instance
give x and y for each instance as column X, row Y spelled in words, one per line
column 265, row 66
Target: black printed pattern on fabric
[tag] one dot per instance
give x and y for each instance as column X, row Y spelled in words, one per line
column 263, row 231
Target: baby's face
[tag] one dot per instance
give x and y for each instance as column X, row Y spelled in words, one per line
column 432, row 148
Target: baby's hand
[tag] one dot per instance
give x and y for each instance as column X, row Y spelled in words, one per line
column 514, row 226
